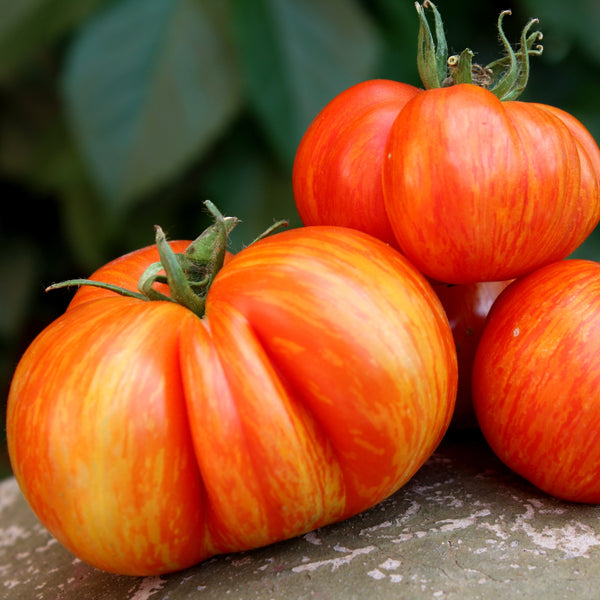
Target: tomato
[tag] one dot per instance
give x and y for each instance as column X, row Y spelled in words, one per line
column 482, row 190
column 337, row 169
column 319, row 379
column 469, row 183
column 536, row 379
column 467, row 307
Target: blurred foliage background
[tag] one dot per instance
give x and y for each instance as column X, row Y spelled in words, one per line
column 119, row 114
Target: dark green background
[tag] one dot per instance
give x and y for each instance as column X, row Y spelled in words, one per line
column 119, row 114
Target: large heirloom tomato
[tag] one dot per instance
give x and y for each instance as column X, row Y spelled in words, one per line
column 536, row 379
column 476, row 186
column 319, row 379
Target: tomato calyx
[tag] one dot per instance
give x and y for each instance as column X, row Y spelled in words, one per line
column 506, row 77
column 188, row 275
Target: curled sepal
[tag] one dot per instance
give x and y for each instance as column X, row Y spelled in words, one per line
column 187, row 275
column 506, row 77
column 153, row 274
column 511, row 72
column 432, row 55
column 99, row 284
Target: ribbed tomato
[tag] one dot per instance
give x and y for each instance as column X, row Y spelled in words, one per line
column 482, row 190
column 147, row 438
column 536, row 379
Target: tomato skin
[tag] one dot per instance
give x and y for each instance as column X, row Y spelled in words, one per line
column 337, row 170
column 147, row 439
column 482, row 190
column 536, row 379
column 467, row 307
column 99, row 441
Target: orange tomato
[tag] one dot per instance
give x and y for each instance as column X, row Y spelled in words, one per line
column 481, row 190
column 536, row 379
column 321, row 377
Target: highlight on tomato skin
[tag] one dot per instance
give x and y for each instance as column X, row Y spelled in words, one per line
column 147, row 438
column 536, row 379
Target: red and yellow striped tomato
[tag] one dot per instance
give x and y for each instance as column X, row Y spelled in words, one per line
column 536, row 379
column 468, row 187
column 469, row 183
column 482, row 190
column 320, row 378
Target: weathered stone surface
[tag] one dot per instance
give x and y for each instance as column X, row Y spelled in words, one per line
column 464, row 527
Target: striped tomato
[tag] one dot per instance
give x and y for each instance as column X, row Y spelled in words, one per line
column 469, row 183
column 536, row 379
column 482, row 190
column 311, row 381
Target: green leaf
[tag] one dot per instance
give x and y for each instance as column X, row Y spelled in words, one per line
column 296, row 56
column 149, row 85
column 26, row 26
column 398, row 25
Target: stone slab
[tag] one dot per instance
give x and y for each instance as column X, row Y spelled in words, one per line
column 463, row 528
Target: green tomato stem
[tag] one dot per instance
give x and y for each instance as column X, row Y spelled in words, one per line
column 506, row 77
column 188, row 275
column 460, row 67
column 181, row 291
